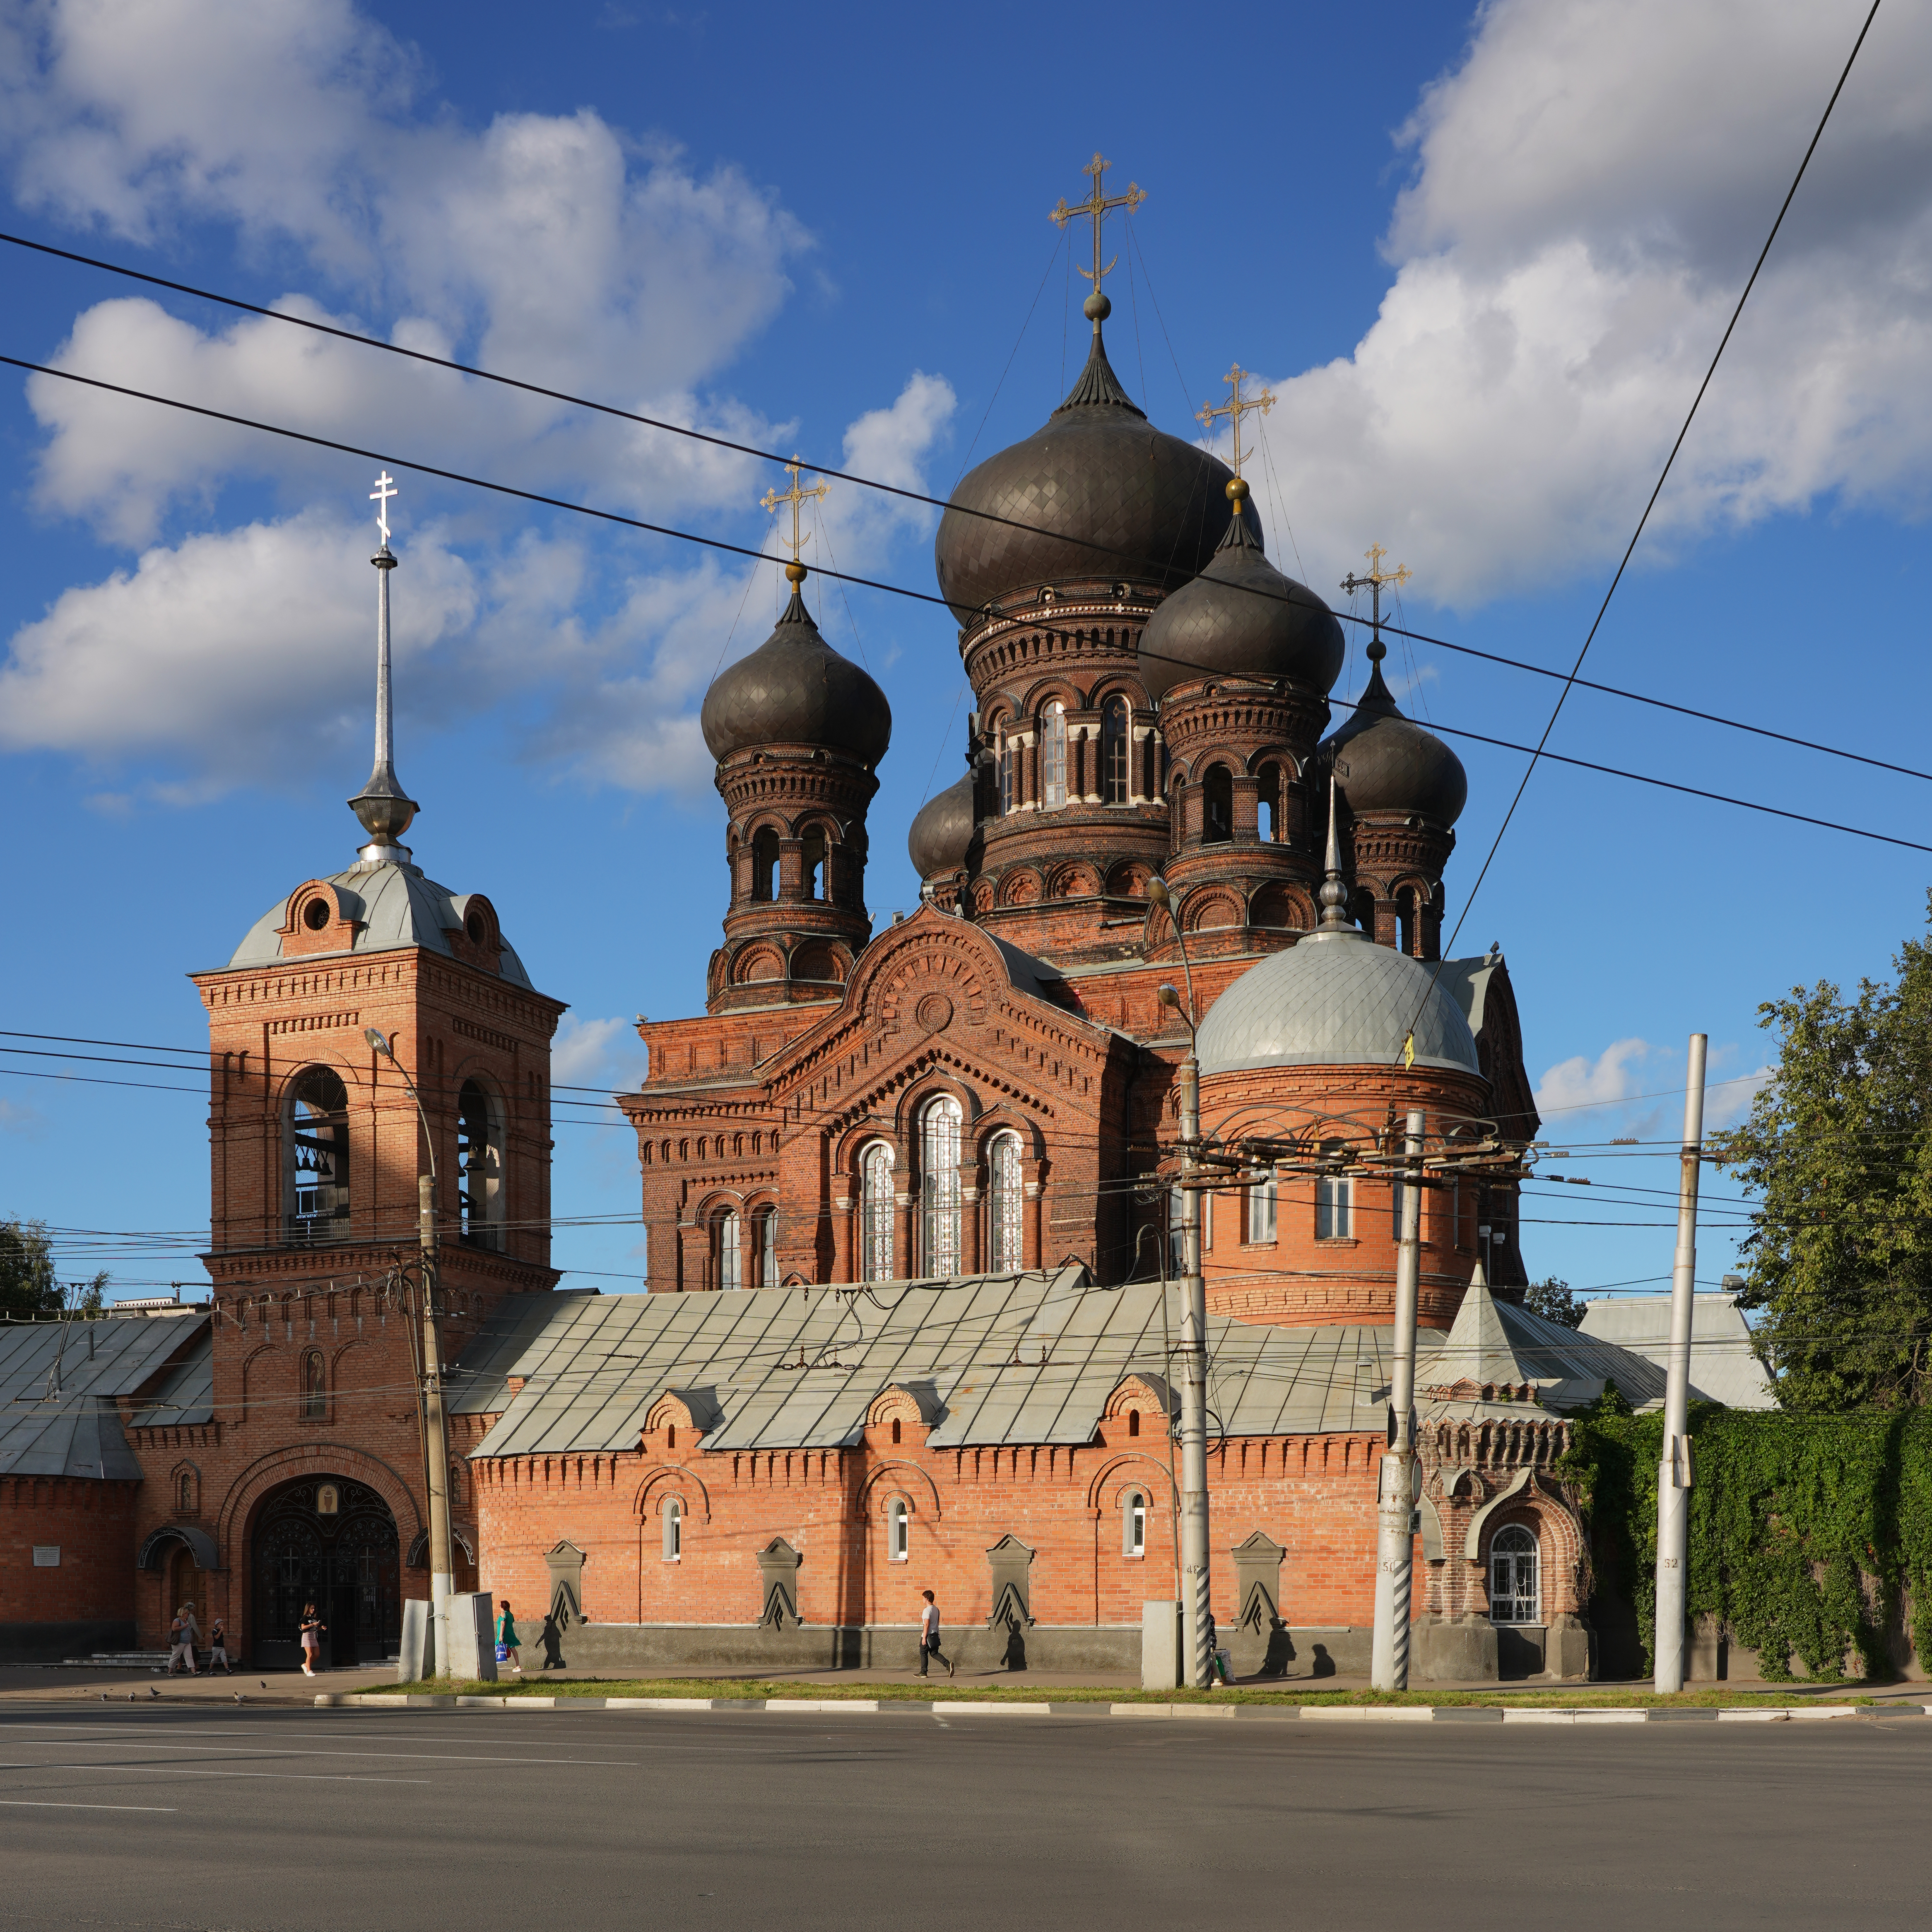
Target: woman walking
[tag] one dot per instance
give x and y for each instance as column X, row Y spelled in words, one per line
column 312, row 1628
column 507, row 1651
column 180, row 1639
column 217, row 1653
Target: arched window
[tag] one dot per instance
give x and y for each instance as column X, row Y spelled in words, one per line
column 875, row 1214
column 1515, row 1581
column 479, row 1155
column 812, row 865
column 1267, row 804
column 673, row 1531
column 765, row 865
column 896, row 1432
column 1133, row 1523
column 187, row 1504
column 1217, row 806
column 1407, row 908
column 1261, row 1199
column 1053, row 756
column 1009, row 758
column 765, row 1248
column 899, row 1531
column 1114, row 746
column 939, row 1185
column 1003, row 1195
column 727, row 1265
column 314, row 1388
column 1133, row 1422
column 1334, row 1202
column 316, row 1167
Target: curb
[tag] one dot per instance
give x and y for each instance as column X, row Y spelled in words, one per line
column 1330, row 1713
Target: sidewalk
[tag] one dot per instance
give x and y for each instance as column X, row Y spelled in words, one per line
column 66, row 1684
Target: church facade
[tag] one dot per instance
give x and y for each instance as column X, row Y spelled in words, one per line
column 909, row 1194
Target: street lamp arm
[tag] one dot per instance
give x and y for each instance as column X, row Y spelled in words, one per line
column 379, row 1043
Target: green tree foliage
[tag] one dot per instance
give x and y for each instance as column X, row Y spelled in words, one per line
column 28, row 1285
column 1553, row 1301
column 1838, row 1149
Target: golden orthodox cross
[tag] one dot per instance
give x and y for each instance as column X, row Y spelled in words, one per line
column 796, row 496
column 1097, row 205
column 1371, row 580
column 1235, row 407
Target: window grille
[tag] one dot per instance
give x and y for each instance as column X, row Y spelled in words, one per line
column 1516, row 1582
column 1008, row 757
column 1053, row 757
column 875, row 1236
column 939, row 1185
column 1003, row 1205
column 1334, row 1203
column 1261, row 1200
column 1114, row 746
column 727, row 1268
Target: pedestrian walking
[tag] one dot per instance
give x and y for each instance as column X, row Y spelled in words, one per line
column 1220, row 1664
column 929, row 1637
column 312, row 1628
column 181, row 1634
column 507, row 1650
column 218, row 1652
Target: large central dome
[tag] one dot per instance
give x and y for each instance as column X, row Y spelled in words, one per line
column 1102, row 496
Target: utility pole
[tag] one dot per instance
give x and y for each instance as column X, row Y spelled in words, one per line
column 1676, row 1471
column 1395, row 1543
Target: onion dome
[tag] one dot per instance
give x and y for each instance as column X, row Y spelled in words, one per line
column 943, row 830
column 1241, row 615
column 1100, row 496
column 1392, row 764
column 796, row 689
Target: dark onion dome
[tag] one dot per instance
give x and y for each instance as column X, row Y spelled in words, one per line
column 1104, row 497
column 943, row 830
column 1392, row 763
column 796, row 689
column 1241, row 616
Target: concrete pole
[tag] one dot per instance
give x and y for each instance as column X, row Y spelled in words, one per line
column 1194, row 1529
column 1395, row 1546
column 440, row 1565
column 1675, row 1473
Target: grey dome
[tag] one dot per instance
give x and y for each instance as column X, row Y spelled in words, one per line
column 1105, row 497
column 1336, row 999
column 796, row 689
column 943, row 830
column 1394, row 764
column 393, row 905
column 1241, row 615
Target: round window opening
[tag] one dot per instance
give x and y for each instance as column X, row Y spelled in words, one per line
column 476, row 929
column 315, row 914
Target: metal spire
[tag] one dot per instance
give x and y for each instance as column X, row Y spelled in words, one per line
column 384, row 808
column 1334, row 894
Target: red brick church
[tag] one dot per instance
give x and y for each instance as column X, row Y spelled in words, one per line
column 908, row 1194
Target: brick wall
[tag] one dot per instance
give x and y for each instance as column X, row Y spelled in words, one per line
column 92, row 1524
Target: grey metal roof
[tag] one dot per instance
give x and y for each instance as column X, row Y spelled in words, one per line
column 397, row 906
column 185, row 1396
column 1722, row 1359
column 1335, row 999
column 67, row 1424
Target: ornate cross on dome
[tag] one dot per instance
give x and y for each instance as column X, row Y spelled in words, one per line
column 1235, row 407
column 1098, row 205
column 385, row 488
column 1371, row 580
column 797, row 496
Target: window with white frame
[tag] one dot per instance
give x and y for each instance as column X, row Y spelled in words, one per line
column 1516, row 1577
column 1133, row 1523
column 1004, row 1193
column 1009, row 758
column 1262, row 1200
column 899, row 1530
column 728, row 1259
column 1115, row 721
column 673, row 1531
column 939, row 1185
column 765, row 1248
column 875, row 1213
column 1334, row 1202
column 1053, row 756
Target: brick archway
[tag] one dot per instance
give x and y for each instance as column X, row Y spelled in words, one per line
column 310, row 1459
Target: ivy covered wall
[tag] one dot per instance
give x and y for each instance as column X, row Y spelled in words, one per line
column 1811, row 1537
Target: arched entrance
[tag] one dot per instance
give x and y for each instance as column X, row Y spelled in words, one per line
column 331, row 1542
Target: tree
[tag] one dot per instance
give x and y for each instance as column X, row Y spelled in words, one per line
column 28, row 1285
column 1838, row 1150
column 1553, row 1301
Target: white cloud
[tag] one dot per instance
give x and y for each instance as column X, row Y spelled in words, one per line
column 1632, row 1071
column 1592, row 185
column 1616, row 1074
column 604, row 1053
column 15, row 1118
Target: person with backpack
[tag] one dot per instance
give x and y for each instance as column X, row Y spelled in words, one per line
column 929, row 1637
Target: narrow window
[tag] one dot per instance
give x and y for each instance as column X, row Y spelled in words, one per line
column 1217, row 806
column 765, row 865
column 1134, row 1524
column 479, row 1156
column 1516, row 1583
column 1003, row 1205
column 673, row 1531
column 765, row 1248
column 1114, row 749
column 813, row 864
column 1261, row 1211
column 314, row 1388
column 187, row 1494
column 875, row 1214
column 896, row 1430
column 1053, row 756
column 1007, row 801
column 316, row 1168
column 1405, row 922
column 939, row 1185
column 1133, row 1422
column 899, row 1531
column 1334, row 1202
column 1267, row 804
column 727, row 1259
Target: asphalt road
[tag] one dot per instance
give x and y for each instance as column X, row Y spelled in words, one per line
column 371, row 1821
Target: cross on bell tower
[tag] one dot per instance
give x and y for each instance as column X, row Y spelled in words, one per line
column 1097, row 206
column 1372, row 581
column 797, row 496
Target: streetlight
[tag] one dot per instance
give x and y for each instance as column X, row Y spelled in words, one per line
column 436, row 1428
column 1194, row 1524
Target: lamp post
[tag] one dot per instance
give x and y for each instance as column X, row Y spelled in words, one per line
column 436, row 1428
column 1194, row 1524
column 1396, row 1500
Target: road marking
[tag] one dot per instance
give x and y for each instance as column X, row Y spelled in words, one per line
column 56, row 1804
column 186, row 1771
column 448, row 1757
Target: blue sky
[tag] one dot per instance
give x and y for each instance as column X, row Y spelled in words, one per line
column 1482, row 258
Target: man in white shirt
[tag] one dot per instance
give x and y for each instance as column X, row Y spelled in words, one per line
column 929, row 1637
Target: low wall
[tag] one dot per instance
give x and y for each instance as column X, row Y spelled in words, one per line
column 55, row 1643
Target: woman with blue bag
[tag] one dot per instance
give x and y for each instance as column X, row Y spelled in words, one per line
column 506, row 1639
